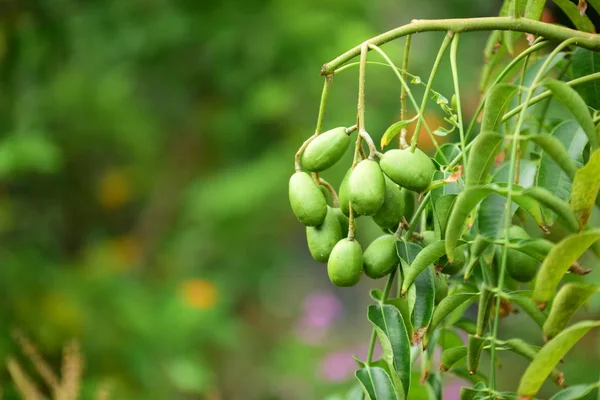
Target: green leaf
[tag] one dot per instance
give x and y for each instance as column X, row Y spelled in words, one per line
column 448, row 151
column 585, row 189
column 376, row 383
column 442, row 209
column 394, row 339
column 407, row 252
column 482, row 156
column 558, row 261
column 445, row 189
column 585, row 62
column 530, row 307
column 569, row 98
column 426, row 257
column 554, row 175
column 534, row 9
column 490, row 218
column 394, row 129
column 524, row 349
column 558, row 206
column 575, row 392
column 549, row 355
column 446, row 306
column 474, row 349
column 425, row 299
column 401, row 304
column 496, row 103
column 595, row 4
column 568, row 300
column 581, row 22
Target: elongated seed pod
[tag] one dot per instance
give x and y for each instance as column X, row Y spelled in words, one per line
column 524, row 349
column 474, row 348
column 560, row 207
column 446, row 306
column 479, row 245
column 451, row 356
column 483, row 312
column 568, row 300
column 530, row 307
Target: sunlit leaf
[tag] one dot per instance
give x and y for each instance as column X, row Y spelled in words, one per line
column 568, row 300
column 581, row 22
column 575, row 392
column 482, row 157
column 394, row 129
column 586, row 186
column 376, row 383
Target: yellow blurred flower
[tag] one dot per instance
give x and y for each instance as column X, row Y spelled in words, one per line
column 126, row 249
column 199, row 293
column 114, row 189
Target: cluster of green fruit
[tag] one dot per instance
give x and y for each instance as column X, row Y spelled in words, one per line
column 375, row 188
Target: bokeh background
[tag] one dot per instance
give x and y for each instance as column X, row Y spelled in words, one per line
column 145, row 148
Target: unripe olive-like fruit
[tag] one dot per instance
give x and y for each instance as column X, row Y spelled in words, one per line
column 326, row 194
column 520, row 266
column 366, row 187
column 325, row 150
column 343, row 220
column 380, row 257
column 321, row 239
column 306, row 199
column 454, row 267
column 391, row 211
column 345, row 263
column 428, row 238
column 409, row 203
column 411, row 170
column 344, row 194
column 440, row 282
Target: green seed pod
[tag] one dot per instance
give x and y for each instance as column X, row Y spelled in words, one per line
column 345, row 263
column 484, row 310
column 325, row 150
column 380, row 257
column 440, row 283
column 428, row 238
column 411, row 170
column 474, row 348
column 530, row 307
column 366, row 187
column 391, row 211
column 343, row 220
column 451, row 356
column 568, row 300
column 306, row 199
column 524, row 349
column 344, row 194
column 466, row 325
column 321, row 239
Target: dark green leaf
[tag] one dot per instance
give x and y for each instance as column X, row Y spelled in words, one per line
column 534, row 9
column 575, row 392
column 585, row 62
column 425, row 299
column 496, row 103
column 581, row 22
column 482, row 156
column 376, row 383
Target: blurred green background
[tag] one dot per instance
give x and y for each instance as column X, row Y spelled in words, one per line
column 145, row 148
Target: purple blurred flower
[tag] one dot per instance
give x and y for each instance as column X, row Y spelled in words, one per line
column 337, row 366
column 320, row 310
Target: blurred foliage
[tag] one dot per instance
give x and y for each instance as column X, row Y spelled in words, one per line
column 144, row 158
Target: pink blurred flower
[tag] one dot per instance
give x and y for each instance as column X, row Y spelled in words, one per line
column 320, row 310
column 337, row 366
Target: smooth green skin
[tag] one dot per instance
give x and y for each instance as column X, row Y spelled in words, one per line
column 381, row 257
column 568, row 300
column 440, row 283
column 412, row 171
column 343, row 220
column 307, row 200
column 344, row 194
column 322, row 239
column 520, row 266
column 474, row 348
column 391, row 211
column 451, row 356
column 326, row 194
column 454, row 267
column 325, row 150
column 345, row 263
column 409, row 202
column 428, row 238
column 366, row 187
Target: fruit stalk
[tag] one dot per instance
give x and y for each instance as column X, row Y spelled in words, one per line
column 402, row 138
column 549, row 31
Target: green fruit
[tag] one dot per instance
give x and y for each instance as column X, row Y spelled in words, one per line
column 380, row 257
column 344, row 194
column 428, row 238
column 345, row 263
column 409, row 203
column 391, row 211
column 326, row 194
column 343, row 220
column 306, row 199
column 457, row 264
column 366, row 187
column 321, row 239
column 325, row 150
column 440, row 282
column 520, row 266
column 411, row 170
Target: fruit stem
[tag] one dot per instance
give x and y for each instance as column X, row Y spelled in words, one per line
column 507, row 213
column 434, row 69
column 454, row 67
column 402, row 140
column 334, row 197
column 549, row 31
column 360, row 116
